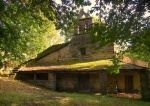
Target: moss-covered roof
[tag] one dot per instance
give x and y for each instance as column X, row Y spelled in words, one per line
column 51, row 50
column 79, row 66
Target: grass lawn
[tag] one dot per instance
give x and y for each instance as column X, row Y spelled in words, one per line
column 16, row 93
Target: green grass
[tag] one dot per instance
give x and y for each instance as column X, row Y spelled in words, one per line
column 16, row 93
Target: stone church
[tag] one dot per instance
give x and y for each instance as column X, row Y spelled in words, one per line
column 77, row 66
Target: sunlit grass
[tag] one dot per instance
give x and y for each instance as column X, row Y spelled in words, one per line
column 16, row 93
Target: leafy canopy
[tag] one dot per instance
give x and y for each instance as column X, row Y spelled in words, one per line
column 28, row 26
column 124, row 22
column 24, row 24
column 25, row 29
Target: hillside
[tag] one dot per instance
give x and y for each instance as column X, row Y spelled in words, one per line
column 17, row 93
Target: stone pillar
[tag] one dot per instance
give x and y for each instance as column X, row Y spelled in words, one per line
column 76, row 30
column 34, row 76
column 103, row 82
column 52, row 81
column 145, row 85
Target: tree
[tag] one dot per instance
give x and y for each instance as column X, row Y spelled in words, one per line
column 26, row 24
column 24, row 30
column 123, row 22
column 24, row 20
column 23, row 24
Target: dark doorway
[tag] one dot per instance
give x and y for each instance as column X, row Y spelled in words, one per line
column 84, row 82
column 129, row 84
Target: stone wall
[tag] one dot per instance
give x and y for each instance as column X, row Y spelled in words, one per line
column 73, row 51
column 112, row 84
column 83, row 41
column 60, row 55
column 67, row 82
column 82, row 25
column 103, row 82
column 94, row 83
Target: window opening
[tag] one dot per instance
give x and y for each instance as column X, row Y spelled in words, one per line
column 42, row 76
column 83, row 51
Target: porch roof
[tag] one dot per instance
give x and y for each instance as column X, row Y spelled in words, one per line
column 78, row 66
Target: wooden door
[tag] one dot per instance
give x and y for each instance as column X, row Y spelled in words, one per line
column 84, row 83
column 129, row 84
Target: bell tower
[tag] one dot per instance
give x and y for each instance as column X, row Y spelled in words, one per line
column 84, row 20
column 80, row 43
column 81, row 48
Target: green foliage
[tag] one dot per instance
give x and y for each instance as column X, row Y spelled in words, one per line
column 115, row 67
column 25, row 29
column 97, row 32
column 141, row 56
column 27, row 26
column 123, row 22
column 66, row 14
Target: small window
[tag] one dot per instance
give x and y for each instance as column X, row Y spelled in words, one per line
column 42, row 76
column 83, row 51
column 81, row 29
column 26, row 76
column 87, row 23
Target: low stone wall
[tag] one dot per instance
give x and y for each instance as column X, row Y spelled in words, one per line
column 70, row 82
column 66, row 82
column 94, row 83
